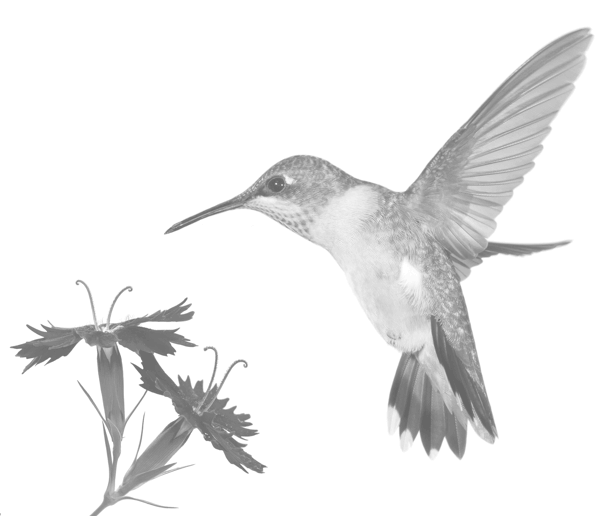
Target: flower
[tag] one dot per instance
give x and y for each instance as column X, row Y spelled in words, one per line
column 204, row 410
column 58, row 342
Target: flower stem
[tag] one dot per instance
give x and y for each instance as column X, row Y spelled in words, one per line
column 107, row 502
column 113, row 468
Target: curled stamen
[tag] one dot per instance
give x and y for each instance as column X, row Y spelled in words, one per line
column 214, row 397
column 214, row 366
column 200, row 404
column 80, row 282
column 129, row 289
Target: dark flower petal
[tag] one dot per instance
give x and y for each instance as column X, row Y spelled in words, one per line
column 234, row 423
column 226, row 419
column 138, row 338
column 154, row 379
column 174, row 314
column 186, row 389
column 233, row 450
column 54, row 344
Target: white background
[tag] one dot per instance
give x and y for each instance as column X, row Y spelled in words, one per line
column 118, row 119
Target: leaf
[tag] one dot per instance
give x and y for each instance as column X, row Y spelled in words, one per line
column 151, row 503
column 91, row 400
column 134, row 409
column 145, row 477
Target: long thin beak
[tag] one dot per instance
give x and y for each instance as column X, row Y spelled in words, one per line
column 232, row 204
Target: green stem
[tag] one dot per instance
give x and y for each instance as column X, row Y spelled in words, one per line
column 113, row 470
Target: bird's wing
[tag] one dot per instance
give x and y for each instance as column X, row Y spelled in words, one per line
column 469, row 180
column 461, row 364
column 463, row 265
column 494, row 248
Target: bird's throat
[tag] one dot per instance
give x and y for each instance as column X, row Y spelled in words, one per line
column 342, row 226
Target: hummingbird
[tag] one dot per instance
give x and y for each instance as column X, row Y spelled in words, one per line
column 405, row 253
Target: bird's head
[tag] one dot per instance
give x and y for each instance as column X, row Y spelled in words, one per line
column 292, row 192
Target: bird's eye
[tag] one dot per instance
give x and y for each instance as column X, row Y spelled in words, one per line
column 276, row 184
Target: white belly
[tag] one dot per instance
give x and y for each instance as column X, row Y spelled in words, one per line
column 392, row 311
column 389, row 290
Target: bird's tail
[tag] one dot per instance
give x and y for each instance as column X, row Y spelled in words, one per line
column 416, row 405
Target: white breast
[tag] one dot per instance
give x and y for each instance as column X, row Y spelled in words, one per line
column 389, row 291
column 340, row 225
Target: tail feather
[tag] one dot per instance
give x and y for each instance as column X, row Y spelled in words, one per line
column 433, row 426
column 402, row 399
column 455, row 434
column 416, row 406
column 394, row 403
column 411, row 420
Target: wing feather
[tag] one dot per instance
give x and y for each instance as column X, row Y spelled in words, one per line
column 463, row 265
column 467, row 183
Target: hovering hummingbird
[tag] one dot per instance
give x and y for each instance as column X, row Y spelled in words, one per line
column 405, row 254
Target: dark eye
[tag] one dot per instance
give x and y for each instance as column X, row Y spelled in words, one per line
column 276, row 184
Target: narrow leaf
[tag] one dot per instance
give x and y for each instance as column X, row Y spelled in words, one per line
column 140, row 441
column 134, row 409
column 175, row 469
column 93, row 404
column 138, row 480
column 148, row 503
column 108, row 449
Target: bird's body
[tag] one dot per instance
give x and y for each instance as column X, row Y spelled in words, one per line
column 405, row 254
column 384, row 257
column 401, row 275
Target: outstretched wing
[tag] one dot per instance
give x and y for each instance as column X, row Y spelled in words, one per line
column 467, row 183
